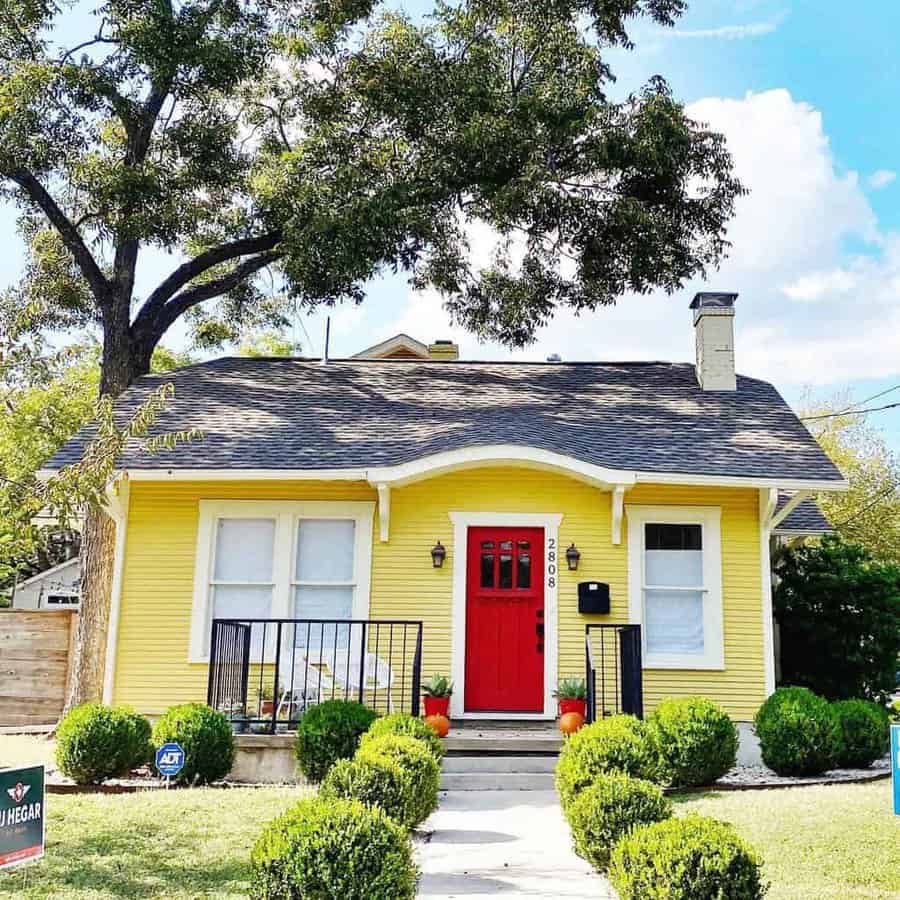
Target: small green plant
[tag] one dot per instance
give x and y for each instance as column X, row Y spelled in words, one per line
column 697, row 741
column 617, row 744
column 328, row 732
column 571, row 689
column 895, row 711
column 264, row 692
column 865, row 733
column 422, row 769
column 408, row 726
column 609, row 808
column 799, row 732
column 205, row 736
column 438, row 686
column 693, row 858
column 96, row 742
column 333, row 848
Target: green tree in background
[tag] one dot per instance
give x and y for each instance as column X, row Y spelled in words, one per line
column 869, row 512
column 327, row 141
column 838, row 615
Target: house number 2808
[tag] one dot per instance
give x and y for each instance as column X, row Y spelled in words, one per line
column 551, row 562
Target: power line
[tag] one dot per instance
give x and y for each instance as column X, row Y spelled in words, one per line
column 858, row 412
column 853, row 406
column 882, row 495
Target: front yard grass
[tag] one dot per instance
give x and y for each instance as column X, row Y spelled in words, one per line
column 830, row 842
column 173, row 844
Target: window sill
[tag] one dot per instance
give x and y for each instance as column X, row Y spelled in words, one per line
column 688, row 663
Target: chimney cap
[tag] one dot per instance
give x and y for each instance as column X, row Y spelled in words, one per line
column 713, row 300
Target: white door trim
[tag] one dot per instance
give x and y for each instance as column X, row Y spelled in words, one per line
column 462, row 521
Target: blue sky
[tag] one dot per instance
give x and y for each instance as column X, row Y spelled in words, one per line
column 807, row 95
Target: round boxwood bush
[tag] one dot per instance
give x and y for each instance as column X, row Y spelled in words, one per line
column 95, row 742
column 416, row 760
column 333, row 848
column 798, row 732
column 865, row 733
column 615, row 744
column 697, row 741
column 693, row 858
column 609, row 808
column 407, row 725
column 206, row 738
column 328, row 732
column 374, row 781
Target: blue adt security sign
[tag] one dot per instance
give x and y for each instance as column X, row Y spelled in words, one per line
column 170, row 759
column 895, row 766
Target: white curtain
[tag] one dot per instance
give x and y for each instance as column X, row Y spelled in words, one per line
column 673, row 619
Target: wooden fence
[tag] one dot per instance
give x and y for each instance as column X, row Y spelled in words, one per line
column 35, row 655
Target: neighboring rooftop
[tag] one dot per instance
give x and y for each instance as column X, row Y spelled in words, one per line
column 303, row 414
column 806, row 518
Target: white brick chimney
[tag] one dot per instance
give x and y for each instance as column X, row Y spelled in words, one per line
column 714, row 327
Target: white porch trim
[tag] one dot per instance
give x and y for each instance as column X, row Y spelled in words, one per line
column 462, row 521
column 768, row 501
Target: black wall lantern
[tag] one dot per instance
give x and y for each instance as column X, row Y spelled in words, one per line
column 572, row 557
column 438, row 554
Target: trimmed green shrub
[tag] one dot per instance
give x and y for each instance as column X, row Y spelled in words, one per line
column 408, row 726
column 798, row 732
column 143, row 733
column 95, row 742
column 693, row 858
column 608, row 809
column 375, row 781
column 328, row 732
column 865, row 733
column 614, row 744
column 206, row 738
column 697, row 741
column 333, row 848
column 416, row 760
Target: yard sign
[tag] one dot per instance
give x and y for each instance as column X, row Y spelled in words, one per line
column 21, row 815
column 895, row 766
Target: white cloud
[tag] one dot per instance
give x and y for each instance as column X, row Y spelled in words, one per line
column 881, row 178
column 809, row 311
column 729, row 32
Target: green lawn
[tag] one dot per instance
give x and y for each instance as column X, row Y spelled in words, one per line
column 175, row 844
column 818, row 843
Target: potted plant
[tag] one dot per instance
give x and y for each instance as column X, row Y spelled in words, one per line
column 264, row 696
column 437, row 691
column 238, row 717
column 572, row 696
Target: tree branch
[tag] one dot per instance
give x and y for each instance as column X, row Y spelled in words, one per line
column 38, row 194
column 181, row 303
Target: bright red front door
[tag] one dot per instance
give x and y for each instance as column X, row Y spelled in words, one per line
column 505, row 620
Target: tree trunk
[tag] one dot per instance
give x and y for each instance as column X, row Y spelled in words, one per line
column 97, row 559
column 118, row 370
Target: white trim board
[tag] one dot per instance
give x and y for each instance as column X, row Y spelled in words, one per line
column 462, row 521
column 286, row 513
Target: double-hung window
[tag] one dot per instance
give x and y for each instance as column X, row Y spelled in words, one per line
column 675, row 585
column 281, row 560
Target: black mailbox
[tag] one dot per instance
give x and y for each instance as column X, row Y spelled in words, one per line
column 593, row 597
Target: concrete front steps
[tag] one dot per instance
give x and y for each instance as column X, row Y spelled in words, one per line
column 500, row 756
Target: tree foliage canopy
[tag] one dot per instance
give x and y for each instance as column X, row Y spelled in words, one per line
column 329, row 139
column 838, row 614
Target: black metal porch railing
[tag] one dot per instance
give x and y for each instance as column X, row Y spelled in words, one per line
column 613, row 670
column 265, row 673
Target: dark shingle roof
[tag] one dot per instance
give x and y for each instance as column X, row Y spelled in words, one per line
column 294, row 413
column 806, row 518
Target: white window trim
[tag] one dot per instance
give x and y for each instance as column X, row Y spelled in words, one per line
column 709, row 518
column 462, row 521
column 286, row 513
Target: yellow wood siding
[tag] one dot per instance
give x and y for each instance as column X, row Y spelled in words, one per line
column 152, row 671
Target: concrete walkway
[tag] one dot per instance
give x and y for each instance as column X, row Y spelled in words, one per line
column 514, row 843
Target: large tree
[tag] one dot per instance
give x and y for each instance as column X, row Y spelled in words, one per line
column 329, row 140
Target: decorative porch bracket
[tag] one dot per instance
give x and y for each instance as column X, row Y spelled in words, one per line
column 618, row 507
column 384, row 511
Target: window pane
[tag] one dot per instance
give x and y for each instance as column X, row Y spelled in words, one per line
column 244, row 549
column 524, row 572
column 323, row 603
column 674, row 621
column 325, row 550
column 674, row 537
column 506, row 578
column 487, row 570
column 674, row 568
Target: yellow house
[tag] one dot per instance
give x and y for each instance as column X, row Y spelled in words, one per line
column 353, row 526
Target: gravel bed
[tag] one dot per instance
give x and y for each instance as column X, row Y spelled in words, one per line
column 759, row 777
